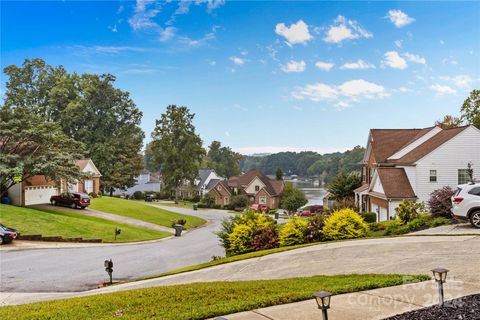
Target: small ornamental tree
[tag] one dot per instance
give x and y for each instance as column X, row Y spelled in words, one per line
column 292, row 198
column 239, row 201
column 440, row 203
column 408, row 210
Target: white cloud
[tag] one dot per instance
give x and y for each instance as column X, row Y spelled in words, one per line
column 212, row 63
column 296, row 33
column 344, row 29
column 398, row 43
column 145, row 11
column 415, row 58
column 359, row 64
column 404, row 90
column 214, row 4
column 294, row 66
column 167, row 33
column 197, row 42
column 114, row 28
column 342, row 95
column 399, row 18
column 461, row 81
column 442, row 90
column 393, row 60
column 238, row 61
column 324, row 66
column 227, row 134
column 112, row 49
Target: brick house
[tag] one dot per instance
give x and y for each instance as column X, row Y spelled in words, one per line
column 254, row 184
column 38, row 189
column 410, row 164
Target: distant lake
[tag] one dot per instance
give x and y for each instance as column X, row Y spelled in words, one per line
column 314, row 193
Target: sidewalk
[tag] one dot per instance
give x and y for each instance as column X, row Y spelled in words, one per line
column 365, row 305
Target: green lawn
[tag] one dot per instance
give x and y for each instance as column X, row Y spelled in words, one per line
column 71, row 225
column 181, row 204
column 200, row 300
column 142, row 211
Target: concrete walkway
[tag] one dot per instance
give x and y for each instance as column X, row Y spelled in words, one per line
column 449, row 229
column 111, row 217
column 402, row 255
column 365, row 305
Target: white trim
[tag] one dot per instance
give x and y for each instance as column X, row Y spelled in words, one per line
column 406, row 149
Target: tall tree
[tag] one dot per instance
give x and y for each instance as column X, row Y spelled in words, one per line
column 176, row 148
column 89, row 109
column 223, row 160
column 279, row 174
column 343, row 185
column 292, row 198
column 449, row 122
column 30, row 146
column 471, row 108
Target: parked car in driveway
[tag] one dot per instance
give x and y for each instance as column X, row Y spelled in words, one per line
column 259, row 207
column 72, row 200
column 7, row 234
column 466, row 203
column 309, row 211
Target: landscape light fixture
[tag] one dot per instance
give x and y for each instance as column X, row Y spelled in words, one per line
column 323, row 301
column 117, row 232
column 109, row 268
column 440, row 275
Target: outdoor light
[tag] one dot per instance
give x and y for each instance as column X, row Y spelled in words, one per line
column 440, row 275
column 109, row 268
column 117, row 232
column 323, row 301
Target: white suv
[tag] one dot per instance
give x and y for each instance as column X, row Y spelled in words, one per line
column 466, row 203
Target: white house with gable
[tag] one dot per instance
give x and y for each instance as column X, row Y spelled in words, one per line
column 411, row 163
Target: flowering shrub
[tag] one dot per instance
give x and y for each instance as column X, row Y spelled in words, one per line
column 440, row 204
column 265, row 238
column 345, row 224
column 408, row 210
column 314, row 232
column 293, row 232
column 240, row 239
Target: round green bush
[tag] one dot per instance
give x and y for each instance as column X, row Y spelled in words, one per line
column 369, row 217
column 293, row 232
column 345, row 224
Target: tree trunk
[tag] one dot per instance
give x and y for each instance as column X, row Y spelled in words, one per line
column 111, row 192
column 176, row 195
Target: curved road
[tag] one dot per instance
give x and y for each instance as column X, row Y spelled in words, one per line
column 76, row 269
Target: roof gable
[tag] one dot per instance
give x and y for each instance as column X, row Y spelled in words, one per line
column 395, row 183
column 87, row 166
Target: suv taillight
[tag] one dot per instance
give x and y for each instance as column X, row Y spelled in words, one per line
column 457, row 199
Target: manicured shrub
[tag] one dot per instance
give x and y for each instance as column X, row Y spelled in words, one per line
column 440, row 204
column 93, row 195
column 417, row 224
column 345, row 224
column 138, row 195
column 240, row 240
column 408, row 210
column 208, row 200
column 196, row 198
column 265, row 238
column 369, row 217
column 239, row 201
column 439, row 221
column 376, row 226
column 293, row 232
column 315, row 226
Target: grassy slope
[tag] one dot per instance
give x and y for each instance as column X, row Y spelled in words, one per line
column 199, row 300
column 142, row 211
column 71, row 225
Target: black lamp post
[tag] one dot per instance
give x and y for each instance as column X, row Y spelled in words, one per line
column 440, row 275
column 109, row 268
column 323, row 301
column 117, row 232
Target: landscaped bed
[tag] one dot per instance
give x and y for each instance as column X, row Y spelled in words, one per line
column 465, row 308
column 71, row 225
column 200, row 300
column 143, row 211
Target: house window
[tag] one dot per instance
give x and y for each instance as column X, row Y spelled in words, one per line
column 225, row 200
column 219, row 188
column 262, row 200
column 433, row 175
column 88, row 185
column 257, row 188
column 463, row 176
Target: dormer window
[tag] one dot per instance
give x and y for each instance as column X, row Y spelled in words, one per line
column 257, row 188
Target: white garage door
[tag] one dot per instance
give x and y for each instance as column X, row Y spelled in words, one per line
column 39, row 194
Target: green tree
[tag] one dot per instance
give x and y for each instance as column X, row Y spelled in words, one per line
column 148, row 159
column 223, row 160
column 30, row 146
column 89, row 109
column 177, row 149
column 343, row 185
column 449, row 122
column 279, row 174
column 471, row 109
column 292, row 198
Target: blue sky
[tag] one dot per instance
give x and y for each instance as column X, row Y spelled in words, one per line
column 265, row 76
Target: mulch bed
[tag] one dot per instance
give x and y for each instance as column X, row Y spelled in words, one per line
column 465, row 308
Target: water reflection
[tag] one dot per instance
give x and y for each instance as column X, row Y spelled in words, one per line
column 314, row 193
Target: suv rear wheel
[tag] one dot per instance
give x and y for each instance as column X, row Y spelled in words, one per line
column 53, row 202
column 475, row 219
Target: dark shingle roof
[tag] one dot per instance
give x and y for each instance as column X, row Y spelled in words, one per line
column 395, row 183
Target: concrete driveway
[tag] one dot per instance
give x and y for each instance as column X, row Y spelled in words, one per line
column 76, row 269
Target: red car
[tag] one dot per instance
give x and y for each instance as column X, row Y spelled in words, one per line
column 259, row 207
column 309, row 211
column 305, row 213
column 72, row 200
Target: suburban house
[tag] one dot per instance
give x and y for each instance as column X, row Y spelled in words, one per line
column 411, row 163
column 146, row 182
column 205, row 180
column 254, row 184
column 38, row 189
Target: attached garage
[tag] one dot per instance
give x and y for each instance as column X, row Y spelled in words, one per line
column 39, row 194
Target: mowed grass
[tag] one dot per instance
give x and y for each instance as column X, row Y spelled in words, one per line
column 71, row 225
column 200, row 300
column 142, row 211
